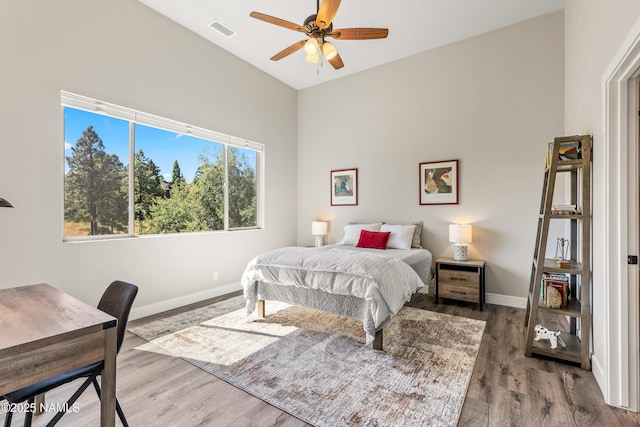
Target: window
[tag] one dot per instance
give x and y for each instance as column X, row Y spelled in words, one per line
column 184, row 178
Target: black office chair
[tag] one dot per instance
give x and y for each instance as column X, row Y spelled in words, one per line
column 116, row 301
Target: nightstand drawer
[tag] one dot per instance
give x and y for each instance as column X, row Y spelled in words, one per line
column 468, row 278
column 462, row 292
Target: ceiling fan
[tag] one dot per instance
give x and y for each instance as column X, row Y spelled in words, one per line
column 318, row 27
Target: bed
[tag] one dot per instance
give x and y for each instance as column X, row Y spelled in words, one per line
column 363, row 283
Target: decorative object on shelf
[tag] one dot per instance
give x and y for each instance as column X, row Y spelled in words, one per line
column 565, row 210
column 562, row 252
column 554, row 338
column 344, row 187
column 554, row 297
column 438, row 182
column 568, row 150
column 562, row 248
column 4, row 203
column 319, row 229
column 460, row 234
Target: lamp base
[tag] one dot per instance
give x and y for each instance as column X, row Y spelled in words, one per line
column 319, row 241
column 460, row 252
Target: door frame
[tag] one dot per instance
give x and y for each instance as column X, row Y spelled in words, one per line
column 616, row 368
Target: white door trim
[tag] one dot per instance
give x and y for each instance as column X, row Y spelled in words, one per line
column 617, row 370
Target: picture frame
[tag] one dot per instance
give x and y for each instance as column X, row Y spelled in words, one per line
column 438, row 182
column 344, row 187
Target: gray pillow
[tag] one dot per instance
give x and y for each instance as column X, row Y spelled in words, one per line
column 416, row 234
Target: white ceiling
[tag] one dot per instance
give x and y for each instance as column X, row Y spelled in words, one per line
column 414, row 26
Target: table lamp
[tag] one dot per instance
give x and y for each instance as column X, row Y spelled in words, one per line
column 5, row 203
column 319, row 229
column 460, row 234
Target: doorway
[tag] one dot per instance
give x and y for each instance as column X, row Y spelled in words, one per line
column 616, row 302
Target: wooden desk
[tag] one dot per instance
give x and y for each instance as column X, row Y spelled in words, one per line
column 45, row 332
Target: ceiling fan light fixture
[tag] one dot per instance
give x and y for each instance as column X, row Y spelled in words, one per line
column 329, row 51
column 312, row 57
column 311, row 46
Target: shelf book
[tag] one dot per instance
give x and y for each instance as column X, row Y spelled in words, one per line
column 560, row 282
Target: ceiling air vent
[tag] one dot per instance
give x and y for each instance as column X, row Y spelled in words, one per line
column 222, row 29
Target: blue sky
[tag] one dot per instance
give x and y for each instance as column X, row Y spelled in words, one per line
column 162, row 146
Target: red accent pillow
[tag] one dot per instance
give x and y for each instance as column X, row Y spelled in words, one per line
column 373, row 239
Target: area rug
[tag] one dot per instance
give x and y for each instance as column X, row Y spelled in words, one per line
column 315, row 366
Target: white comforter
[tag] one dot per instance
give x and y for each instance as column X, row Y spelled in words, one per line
column 385, row 282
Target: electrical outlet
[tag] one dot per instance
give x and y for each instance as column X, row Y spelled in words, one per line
column 215, row 275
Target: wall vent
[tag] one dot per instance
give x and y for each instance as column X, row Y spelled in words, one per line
column 222, row 29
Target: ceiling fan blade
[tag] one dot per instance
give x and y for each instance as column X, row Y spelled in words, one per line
column 277, row 21
column 336, row 62
column 289, row 50
column 327, row 12
column 359, row 33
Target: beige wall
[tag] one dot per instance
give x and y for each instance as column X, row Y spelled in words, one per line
column 492, row 101
column 595, row 32
column 122, row 52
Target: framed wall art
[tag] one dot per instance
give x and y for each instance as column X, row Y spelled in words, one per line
column 344, row 187
column 439, row 183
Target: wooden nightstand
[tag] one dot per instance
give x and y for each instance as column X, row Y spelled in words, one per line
column 460, row 280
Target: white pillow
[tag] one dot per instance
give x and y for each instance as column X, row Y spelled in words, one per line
column 352, row 232
column 401, row 236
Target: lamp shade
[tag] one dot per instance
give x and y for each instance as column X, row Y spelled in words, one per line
column 460, row 233
column 5, row 203
column 319, row 228
column 312, row 57
column 311, row 46
column 329, row 51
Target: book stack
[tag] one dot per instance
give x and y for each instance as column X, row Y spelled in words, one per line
column 558, row 281
column 564, row 210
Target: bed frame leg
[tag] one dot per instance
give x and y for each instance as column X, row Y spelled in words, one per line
column 377, row 341
column 261, row 308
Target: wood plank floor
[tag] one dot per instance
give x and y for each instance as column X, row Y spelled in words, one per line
column 506, row 389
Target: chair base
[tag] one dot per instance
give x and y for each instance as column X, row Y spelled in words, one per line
column 92, row 379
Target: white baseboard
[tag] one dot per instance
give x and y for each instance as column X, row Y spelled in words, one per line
column 509, row 301
column 159, row 307
column 599, row 375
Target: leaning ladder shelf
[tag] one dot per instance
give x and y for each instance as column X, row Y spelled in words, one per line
column 578, row 308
